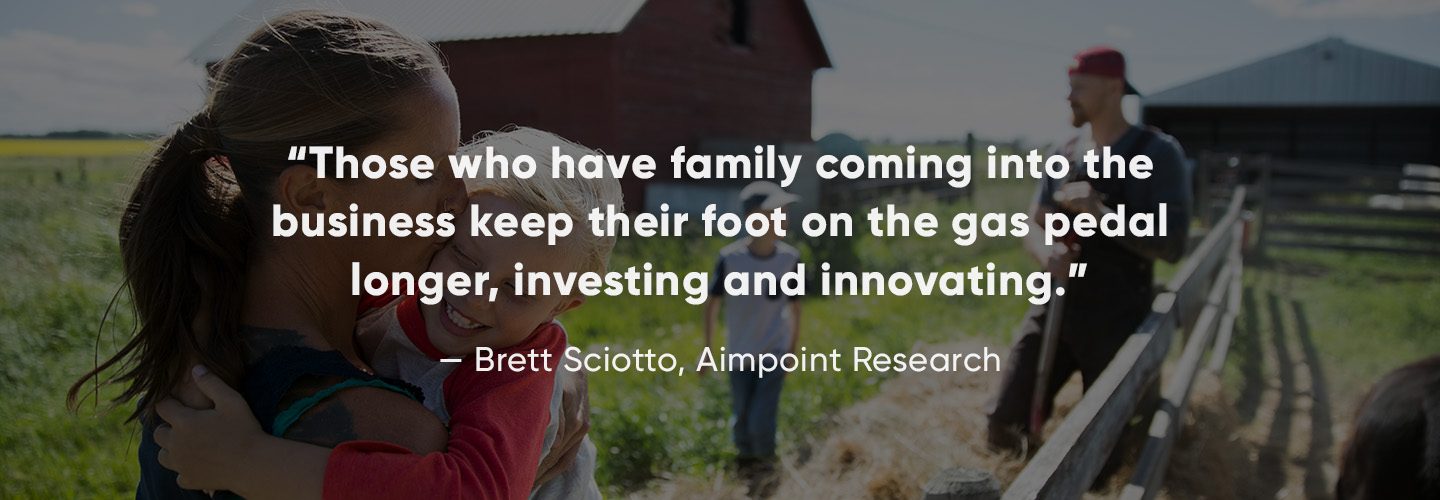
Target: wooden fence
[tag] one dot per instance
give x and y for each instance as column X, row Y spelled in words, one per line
column 1202, row 300
column 1216, row 176
column 1314, row 205
column 1338, row 206
column 1369, row 208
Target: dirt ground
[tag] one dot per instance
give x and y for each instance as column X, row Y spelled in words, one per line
column 1276, row 439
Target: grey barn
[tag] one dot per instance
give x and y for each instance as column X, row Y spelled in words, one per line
column 1330, row 100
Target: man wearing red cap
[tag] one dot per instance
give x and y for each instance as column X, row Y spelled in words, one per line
column 1102, row 308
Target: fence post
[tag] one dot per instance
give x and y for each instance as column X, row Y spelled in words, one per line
column 962, row 483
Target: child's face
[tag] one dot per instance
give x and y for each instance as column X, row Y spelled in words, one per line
column 459, row 324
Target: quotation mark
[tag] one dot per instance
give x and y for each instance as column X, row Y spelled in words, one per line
column 1077, row 270
column 297, row 153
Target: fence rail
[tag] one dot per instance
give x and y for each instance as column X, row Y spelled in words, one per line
column 1202, row 299
column 1217, row 314
column 1369, row 208
column 1327, row 205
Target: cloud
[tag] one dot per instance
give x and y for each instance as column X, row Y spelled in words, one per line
column 53, row 82
column 1348, row 9
column 140, row 9
column 885, row 98
column 1118, row 32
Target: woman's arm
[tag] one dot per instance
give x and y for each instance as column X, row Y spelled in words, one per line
column 497, row 424
column 224, row 447
column 262, row 466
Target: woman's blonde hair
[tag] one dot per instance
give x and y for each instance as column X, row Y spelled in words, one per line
column 544, row 193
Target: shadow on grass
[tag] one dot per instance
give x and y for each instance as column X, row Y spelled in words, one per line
column 1270, row 466
column 1249, row 356
column 1322, row 440
column 1288, row 323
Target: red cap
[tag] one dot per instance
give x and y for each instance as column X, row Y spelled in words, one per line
column 1102, row 61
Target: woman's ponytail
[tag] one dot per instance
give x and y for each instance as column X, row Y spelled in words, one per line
column 183, row 241
column 307, row 77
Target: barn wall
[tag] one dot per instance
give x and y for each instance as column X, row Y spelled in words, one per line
column 681, row 78
column 672, row 78
column 563, row 84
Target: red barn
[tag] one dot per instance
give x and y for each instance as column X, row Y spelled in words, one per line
column 624, row 76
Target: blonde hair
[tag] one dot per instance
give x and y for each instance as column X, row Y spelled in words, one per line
column 543, row 193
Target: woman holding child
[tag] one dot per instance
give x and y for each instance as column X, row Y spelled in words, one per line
column 274, row 316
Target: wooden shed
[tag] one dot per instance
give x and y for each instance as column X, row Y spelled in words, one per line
column 1327, row 101
column 624, row 76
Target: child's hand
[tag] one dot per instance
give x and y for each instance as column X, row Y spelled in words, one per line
column 189, row 393
column 206, row 446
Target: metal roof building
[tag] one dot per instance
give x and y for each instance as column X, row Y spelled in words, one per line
column 1330, row 100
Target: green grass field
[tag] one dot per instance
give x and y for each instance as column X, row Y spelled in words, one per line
column 61, row 267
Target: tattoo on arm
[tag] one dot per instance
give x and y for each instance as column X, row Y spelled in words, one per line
column 328, row 424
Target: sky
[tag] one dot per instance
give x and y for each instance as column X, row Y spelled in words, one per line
column 906, row 70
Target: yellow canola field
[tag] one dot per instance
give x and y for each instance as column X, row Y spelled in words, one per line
column 71, row 147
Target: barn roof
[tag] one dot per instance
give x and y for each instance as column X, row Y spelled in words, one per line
column 442, row 20
column 456, row 20
column 1328, row 73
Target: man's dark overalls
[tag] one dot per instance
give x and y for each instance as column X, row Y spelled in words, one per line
column 1100, row 311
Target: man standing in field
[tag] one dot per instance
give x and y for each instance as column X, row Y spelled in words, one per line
column 1102, row 308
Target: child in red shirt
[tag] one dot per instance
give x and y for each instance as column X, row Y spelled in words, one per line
column 501, row 421
column 407, row 339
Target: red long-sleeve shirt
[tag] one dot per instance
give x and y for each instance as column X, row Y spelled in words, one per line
column 497, row 425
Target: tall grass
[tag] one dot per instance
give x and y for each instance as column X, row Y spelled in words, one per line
column 60, row 261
